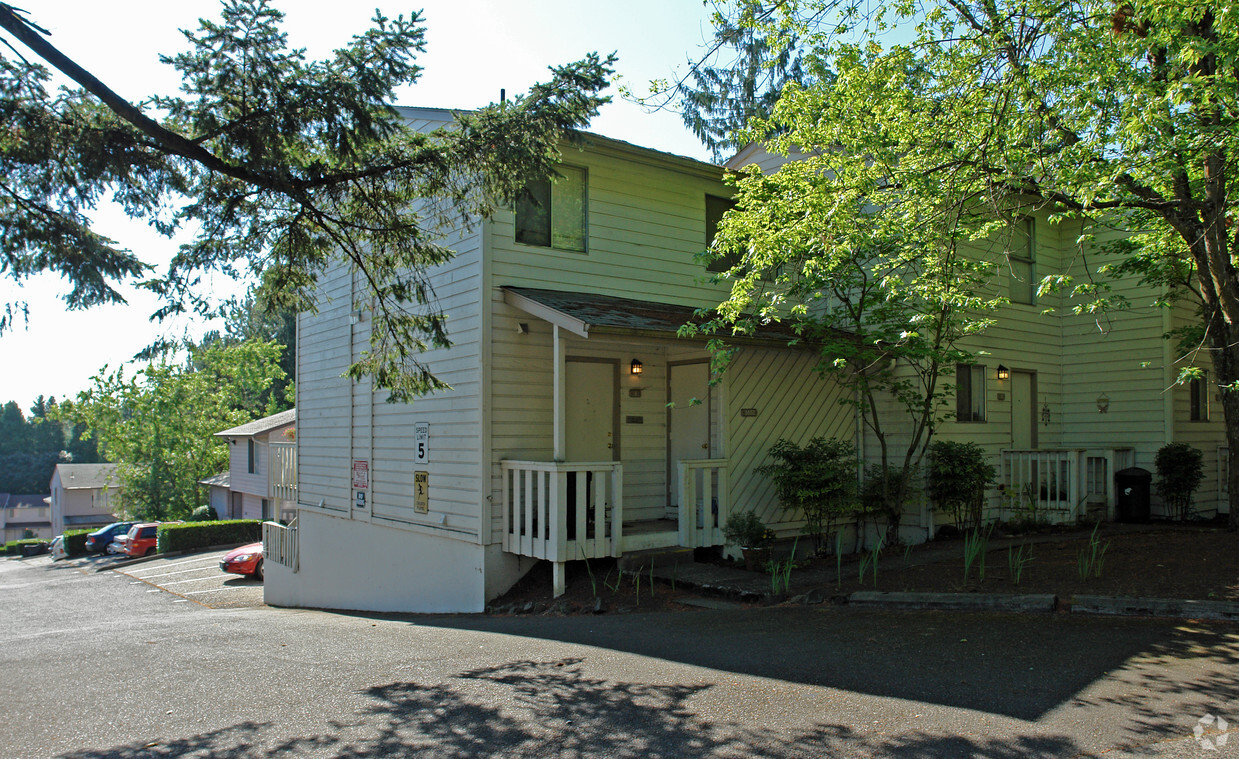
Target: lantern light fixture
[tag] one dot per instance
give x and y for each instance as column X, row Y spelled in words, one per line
column 636, row 367
column 1004, row 373
column 1103, row 403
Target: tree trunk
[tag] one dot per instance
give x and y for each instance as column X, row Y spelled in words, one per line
column 1222, row 339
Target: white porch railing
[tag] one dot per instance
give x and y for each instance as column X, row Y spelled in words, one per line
column 1060, row 484
column 704, row 502
column 563, row 511
column 283, row 469
column 280, row 544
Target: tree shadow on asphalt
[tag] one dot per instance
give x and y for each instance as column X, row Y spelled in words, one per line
column 539, row 709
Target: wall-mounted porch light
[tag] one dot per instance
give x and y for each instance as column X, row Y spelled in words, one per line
column 636, row 367
column 1103, row 403
column 1003, row 373
column 1045, row 414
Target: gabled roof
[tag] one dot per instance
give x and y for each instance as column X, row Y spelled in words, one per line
column 586, row 313
column 87, row 476
column 260, row 426
column 25, row 501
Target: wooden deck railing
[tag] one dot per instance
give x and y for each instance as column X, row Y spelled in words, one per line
column 283, row 470
column 1060, row 484
column 563, row 511
column 704, row 502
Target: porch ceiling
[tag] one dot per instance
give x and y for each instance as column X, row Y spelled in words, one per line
column 588, row 313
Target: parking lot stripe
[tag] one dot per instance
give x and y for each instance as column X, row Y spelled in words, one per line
column 212, row 557
column 177, row 572
column 218, row 590
column 218, row 576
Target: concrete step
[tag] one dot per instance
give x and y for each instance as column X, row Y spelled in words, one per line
column 636, row 561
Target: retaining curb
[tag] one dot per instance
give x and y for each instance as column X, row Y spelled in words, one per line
column 1155, row 607
column 1041, row 602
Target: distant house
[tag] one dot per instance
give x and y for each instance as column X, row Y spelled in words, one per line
column 83, row 495
column 24, row 516
column 261, row 481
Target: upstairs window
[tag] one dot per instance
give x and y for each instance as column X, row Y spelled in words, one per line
column 552, row 214
column 1199, row 393
column 969, row 393
column 715, row 208
column 251, row 468
column 1022, row 264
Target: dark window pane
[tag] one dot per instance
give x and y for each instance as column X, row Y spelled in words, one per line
column 533, row 214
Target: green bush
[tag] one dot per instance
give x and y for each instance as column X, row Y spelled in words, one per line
column 816, row 482
column 204, row 513
column 14, row 547
column 191, row 535
column 746, row 530
column 75, row 542
column 1180, row 469
column 958, row 476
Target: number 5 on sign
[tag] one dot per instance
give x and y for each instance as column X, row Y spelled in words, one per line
column 421, row 492
column 421, row 442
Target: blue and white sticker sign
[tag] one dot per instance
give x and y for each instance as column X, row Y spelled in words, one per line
column 421, row 442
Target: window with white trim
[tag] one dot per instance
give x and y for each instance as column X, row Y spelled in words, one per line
column 1022, row 263
column 969, row 393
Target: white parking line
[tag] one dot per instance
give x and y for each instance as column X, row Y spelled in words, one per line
column 212, row 557
column 178, row 572
column 196, row 579
column 219, row 590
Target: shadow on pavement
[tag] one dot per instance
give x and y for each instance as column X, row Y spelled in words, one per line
column 552, row 709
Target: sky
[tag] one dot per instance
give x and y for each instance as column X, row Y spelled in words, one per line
column 474, row 48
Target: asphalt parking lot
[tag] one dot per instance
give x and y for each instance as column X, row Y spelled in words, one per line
column 197, row 578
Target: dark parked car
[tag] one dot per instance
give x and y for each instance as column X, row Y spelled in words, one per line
column 99, row 539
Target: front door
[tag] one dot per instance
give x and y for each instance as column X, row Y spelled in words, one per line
column 688, row 421
column 1023, row 410
column 589, row 411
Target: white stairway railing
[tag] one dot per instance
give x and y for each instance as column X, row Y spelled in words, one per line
column 704, row 502
column 283, row 467
column 563, row 511
column 279, row 544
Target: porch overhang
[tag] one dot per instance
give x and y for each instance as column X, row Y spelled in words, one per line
column 585, row 314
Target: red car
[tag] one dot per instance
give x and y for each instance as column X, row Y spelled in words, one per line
column 246, row 560
column 143, row 539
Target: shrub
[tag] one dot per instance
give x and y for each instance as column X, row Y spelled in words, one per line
column 1180, row 468
column 190, row 535
column 204, row 513
column 958, row 476
column 818, row 481
column 745, row 529
column 75, row 542
column 880, row 497
column 14, row 547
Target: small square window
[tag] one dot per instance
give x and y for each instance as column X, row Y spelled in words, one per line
column 1199, row 391
column 551, row 214
column 1022, row 263
column 969, row 393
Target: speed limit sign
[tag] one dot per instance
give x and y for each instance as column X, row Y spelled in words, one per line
column 421, row 442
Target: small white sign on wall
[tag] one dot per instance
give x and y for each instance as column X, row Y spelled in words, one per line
column 421, row 442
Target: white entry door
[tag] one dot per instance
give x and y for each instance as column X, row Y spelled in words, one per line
column 1023, row 410
column 589, row 411
column 688, row 422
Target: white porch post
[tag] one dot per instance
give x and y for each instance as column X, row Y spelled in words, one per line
column 559, row 398
column 558, row 584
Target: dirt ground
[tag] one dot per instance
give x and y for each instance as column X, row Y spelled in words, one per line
column 1169, row 562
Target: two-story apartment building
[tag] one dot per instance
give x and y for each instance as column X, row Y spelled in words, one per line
column 83, row 496
column 262, row 469
column 578, row 425
column 24, row 516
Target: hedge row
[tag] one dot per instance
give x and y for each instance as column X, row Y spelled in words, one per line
column 14, row 547
column 75, row 542
column 191, row 535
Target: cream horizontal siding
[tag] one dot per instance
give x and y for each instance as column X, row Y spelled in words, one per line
column 645, row 225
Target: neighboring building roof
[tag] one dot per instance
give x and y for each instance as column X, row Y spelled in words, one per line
column 222, row 480
column 27, row 501
column 259, row 426
column 87, row 476
column 89, row 519
column 583, row 313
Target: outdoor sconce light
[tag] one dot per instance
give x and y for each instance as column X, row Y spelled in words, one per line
column 637, row 367
column 1103, row 403
column 1045, row 414
column 1003, row 373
